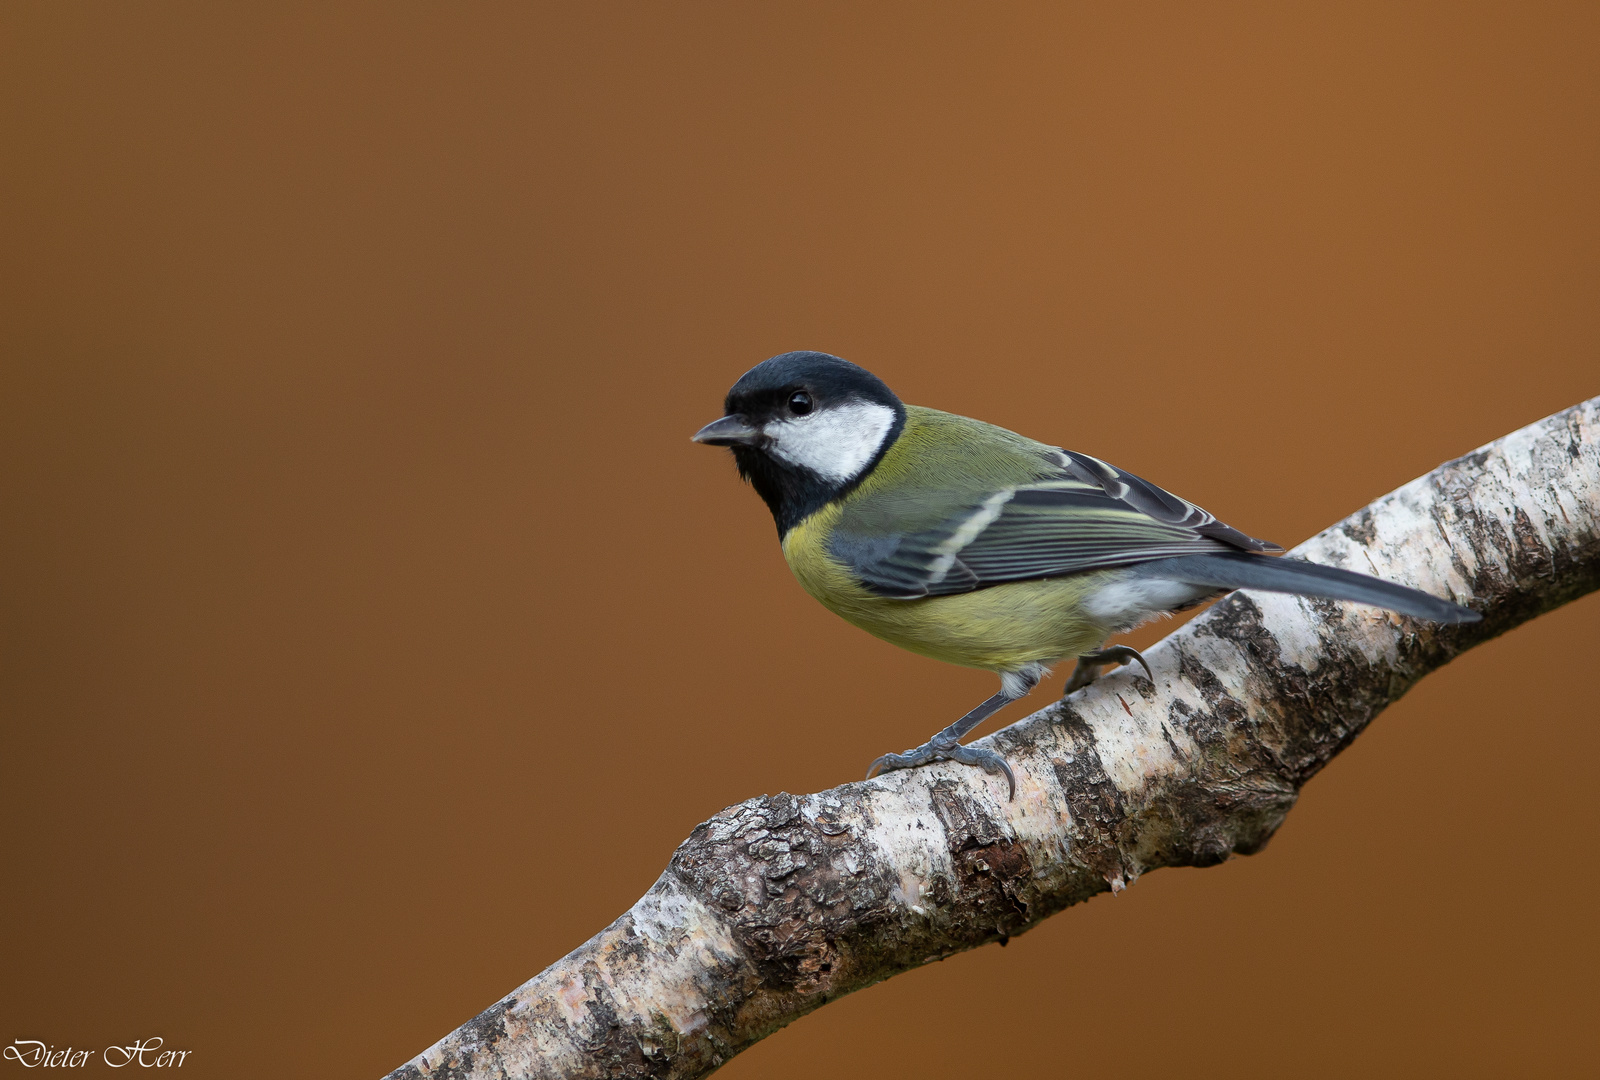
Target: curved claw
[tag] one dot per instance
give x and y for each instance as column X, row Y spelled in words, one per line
column 1122, row 654
column 987, row 760
column 1089, row 666
column 920, row 755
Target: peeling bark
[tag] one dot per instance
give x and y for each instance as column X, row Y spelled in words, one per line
column 781, row 903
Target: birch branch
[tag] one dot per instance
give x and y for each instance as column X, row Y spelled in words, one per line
column 782, row 903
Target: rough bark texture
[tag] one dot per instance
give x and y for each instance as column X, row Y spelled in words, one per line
column 782, row 903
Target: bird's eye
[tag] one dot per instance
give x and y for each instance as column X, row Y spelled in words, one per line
column 800, row 403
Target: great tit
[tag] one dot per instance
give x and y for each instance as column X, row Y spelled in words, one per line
column 972, row 544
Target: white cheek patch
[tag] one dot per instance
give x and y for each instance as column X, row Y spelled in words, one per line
column 835, row 443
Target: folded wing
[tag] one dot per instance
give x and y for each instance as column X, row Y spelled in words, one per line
column 1083, row 514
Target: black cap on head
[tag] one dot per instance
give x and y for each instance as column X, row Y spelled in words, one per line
column 829, row 379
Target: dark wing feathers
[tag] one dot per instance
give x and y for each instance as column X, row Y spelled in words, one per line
column 1161, row 505
column 1086, row 516
column 898, row 565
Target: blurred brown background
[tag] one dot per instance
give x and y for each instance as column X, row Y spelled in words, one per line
column 366, row 637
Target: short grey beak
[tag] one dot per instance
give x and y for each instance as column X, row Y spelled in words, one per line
column 732, row 430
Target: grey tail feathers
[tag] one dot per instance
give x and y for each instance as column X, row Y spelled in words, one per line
column 1237, row 570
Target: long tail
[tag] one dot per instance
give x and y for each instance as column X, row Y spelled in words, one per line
column 1237, row 570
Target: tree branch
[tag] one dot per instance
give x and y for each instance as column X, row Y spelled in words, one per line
column 782, row 903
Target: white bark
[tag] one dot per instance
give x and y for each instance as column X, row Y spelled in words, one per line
column 777, row 905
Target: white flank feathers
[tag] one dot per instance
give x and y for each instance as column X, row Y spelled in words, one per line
column 1127, row 601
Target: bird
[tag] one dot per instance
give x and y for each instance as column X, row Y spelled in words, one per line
column 971, row 544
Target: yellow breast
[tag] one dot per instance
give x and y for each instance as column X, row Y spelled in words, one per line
column 999, row 628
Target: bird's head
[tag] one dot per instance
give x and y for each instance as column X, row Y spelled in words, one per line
column 804, row 428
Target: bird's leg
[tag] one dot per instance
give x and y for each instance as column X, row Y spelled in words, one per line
column 946, row 746
column 1089, row 666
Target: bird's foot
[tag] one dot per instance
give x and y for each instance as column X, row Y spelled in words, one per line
column 1089, row 666
column 944, row 748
